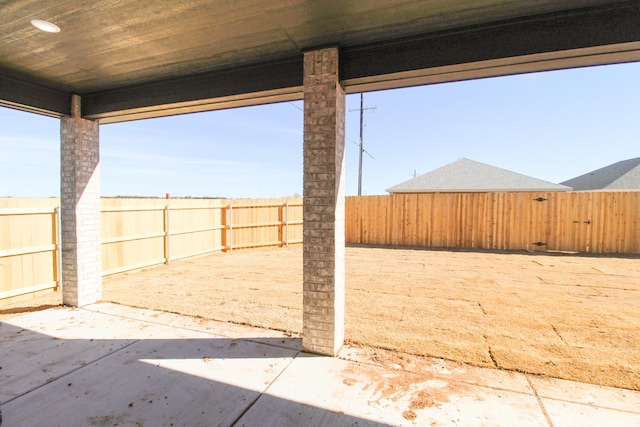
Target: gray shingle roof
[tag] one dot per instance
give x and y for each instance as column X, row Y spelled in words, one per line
column 467, row 175
column 623, row 175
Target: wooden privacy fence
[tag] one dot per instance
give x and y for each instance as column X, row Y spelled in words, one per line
column 139, row 233
column 592, row 222
column 140, row 236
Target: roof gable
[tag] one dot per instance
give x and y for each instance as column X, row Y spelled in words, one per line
column 467, row 175
column 623, row 175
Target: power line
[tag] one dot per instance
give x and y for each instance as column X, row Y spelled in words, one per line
column 291, row 103
column 365, row 151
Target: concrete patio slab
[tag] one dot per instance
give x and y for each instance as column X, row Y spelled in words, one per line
column 111, row 365
column 568, row 414
column 587, row 394
column 114, row 378
column 44, row 346
column 446, row 370
column 187, row 381
column 378, row 396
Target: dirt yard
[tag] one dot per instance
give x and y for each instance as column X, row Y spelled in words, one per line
column 566, row 316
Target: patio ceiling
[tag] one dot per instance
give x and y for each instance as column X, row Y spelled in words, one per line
column 131, row 59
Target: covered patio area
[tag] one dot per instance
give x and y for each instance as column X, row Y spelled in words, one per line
column 115, row 61
column 107, row 364
column 119, row 61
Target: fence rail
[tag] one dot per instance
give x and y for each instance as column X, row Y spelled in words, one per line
column 137, row 235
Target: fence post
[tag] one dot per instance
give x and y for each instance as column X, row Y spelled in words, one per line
column 167, row 234
column 230, row 227
column 286, row 223
column 58, row 245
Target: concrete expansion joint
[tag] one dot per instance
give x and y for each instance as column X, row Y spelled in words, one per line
column 273, row 380
column 540, row 403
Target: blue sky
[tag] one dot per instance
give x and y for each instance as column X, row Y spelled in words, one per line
column 552, row 126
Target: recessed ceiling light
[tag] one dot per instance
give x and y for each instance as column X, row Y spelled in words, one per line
column 45, row 26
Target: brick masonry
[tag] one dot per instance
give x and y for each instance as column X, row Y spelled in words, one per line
column 323, row 229
column 80, row 210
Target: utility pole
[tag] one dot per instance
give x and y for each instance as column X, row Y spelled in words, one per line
column 361, row 140
column 361, row 144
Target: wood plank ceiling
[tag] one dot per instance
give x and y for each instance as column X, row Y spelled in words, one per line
column 133, row 58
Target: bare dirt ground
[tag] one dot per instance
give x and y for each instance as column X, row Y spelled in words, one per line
column 566, row 316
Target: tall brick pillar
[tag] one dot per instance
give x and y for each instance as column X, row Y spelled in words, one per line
column 80, row 208
column 323, row 230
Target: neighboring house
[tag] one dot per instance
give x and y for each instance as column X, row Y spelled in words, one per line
column 467, row 175
column 624, row 175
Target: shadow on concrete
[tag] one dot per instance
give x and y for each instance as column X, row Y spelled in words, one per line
column 206, row 381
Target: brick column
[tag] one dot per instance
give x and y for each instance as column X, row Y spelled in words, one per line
column 323, row 229
column 80, row 208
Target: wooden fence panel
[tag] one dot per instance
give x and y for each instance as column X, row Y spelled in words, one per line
column 28, row 256
column 631, row 234
column 595, row 222
column 132, row 237
column 293, row 218
column 196, row 230
column 255, row 225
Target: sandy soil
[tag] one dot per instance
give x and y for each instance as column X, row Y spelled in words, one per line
column 566, row 316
